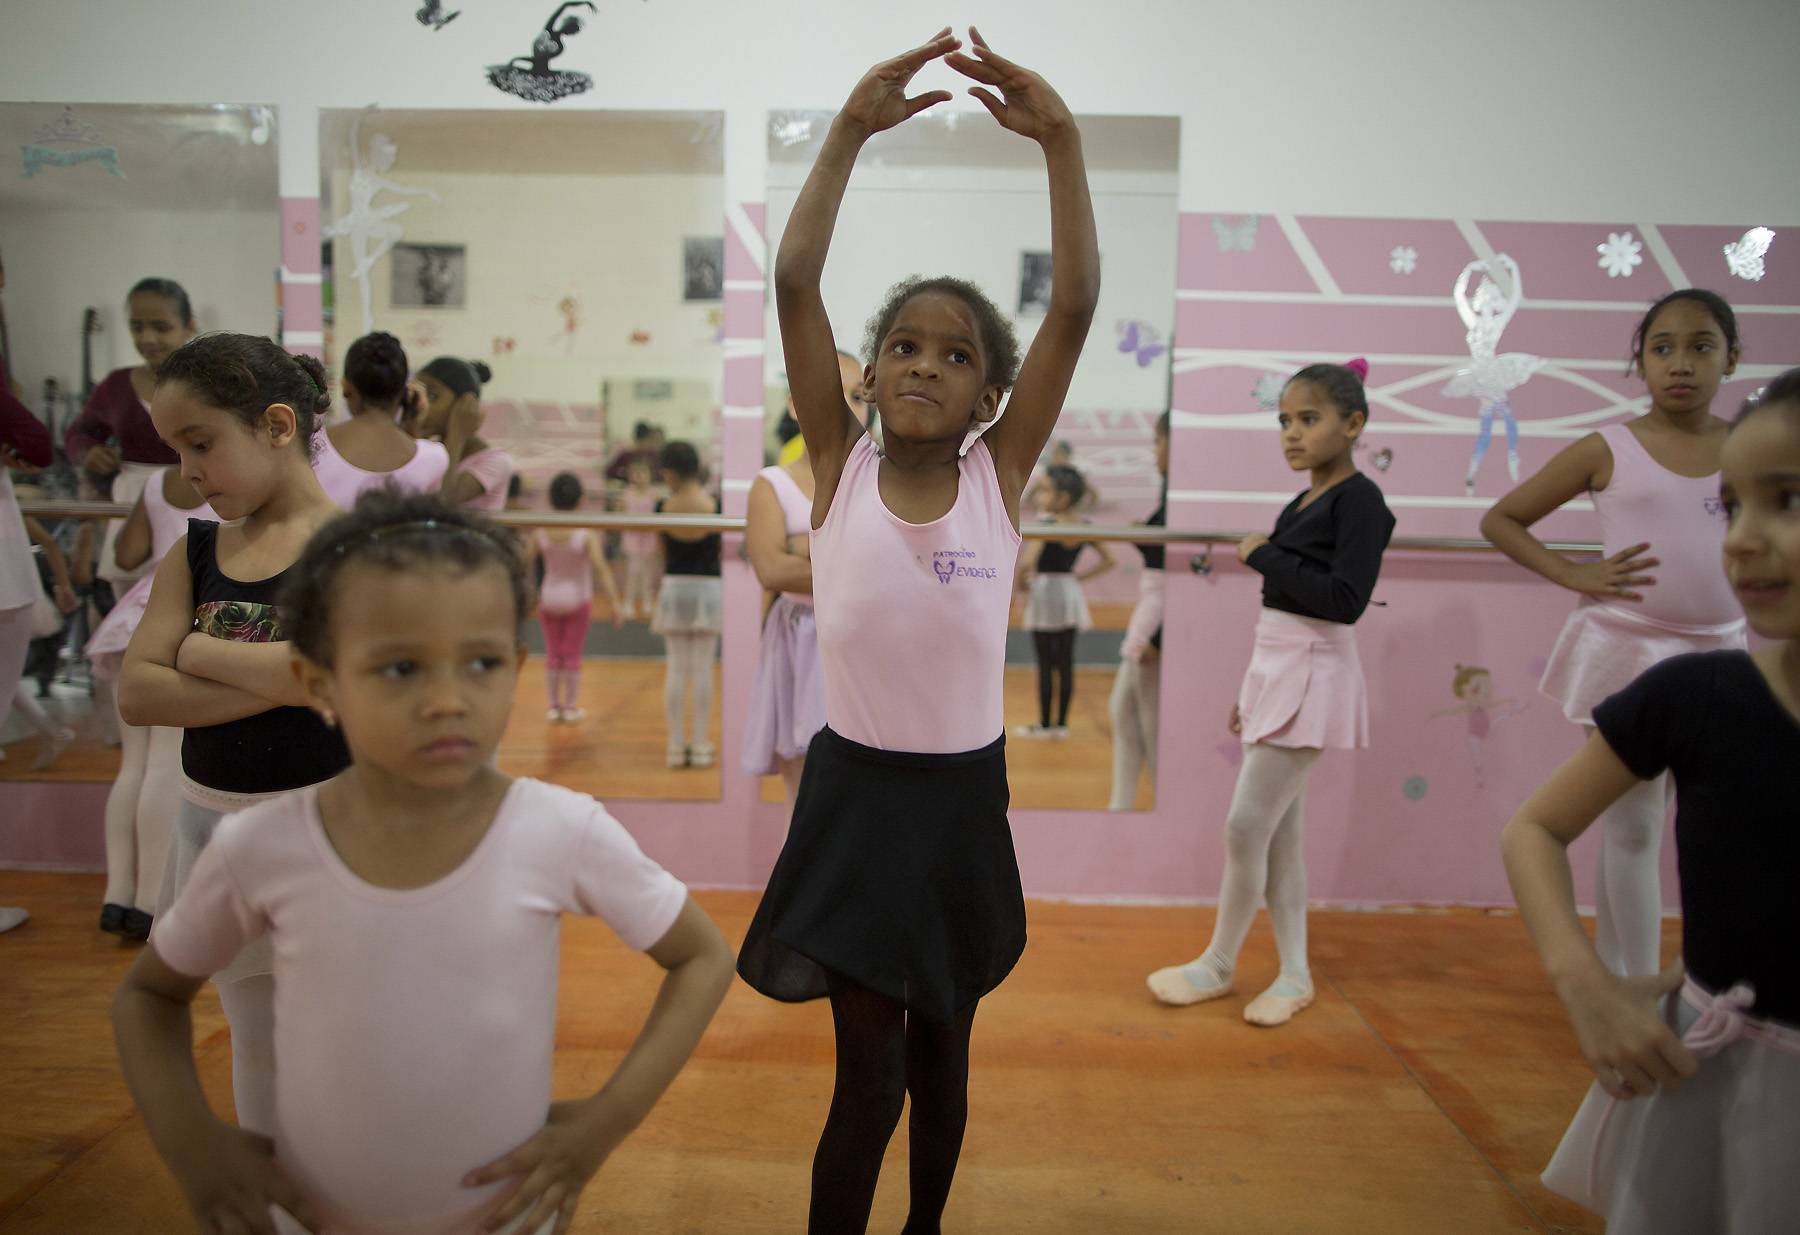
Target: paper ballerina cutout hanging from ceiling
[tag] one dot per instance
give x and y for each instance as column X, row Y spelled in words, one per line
column 1490, row 377
column 530, row 77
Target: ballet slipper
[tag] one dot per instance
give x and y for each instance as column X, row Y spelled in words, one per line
column 1172, row 986
column 1269, row 1009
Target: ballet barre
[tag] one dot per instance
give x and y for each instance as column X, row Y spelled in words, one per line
column 610, row 522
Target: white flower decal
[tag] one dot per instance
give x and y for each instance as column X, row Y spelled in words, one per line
column 1404, row 259
column 1620, row 255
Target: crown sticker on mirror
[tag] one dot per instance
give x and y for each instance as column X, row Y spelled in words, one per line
column 68, row 141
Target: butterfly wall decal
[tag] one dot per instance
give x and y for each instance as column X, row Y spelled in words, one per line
column 1236, row 235
column 1744, row 257
column 1141, row 341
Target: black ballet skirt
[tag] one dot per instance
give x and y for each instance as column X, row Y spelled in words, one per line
column 898, row 875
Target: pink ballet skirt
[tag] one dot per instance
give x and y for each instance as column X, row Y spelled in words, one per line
column 1304, row 687
column 1714, row 1154
column 1603, row 649
column 106, row 646
column 787, row 703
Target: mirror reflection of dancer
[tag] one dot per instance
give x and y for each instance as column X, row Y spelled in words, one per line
column 1303, row 691
column 370, row 449
column 479, row 472
column 897, row 893
column 1691, row 1121
column 1491, row 378
column 1136, row 702
column 370, row 228
column 689, row 609
column 787, row 702
column 1655, row 483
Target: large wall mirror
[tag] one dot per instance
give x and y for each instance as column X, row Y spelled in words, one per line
column 950, row 192
column 573, row 262
column 95, row 200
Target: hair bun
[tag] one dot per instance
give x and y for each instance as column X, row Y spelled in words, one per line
column 482, row 372
column 1360, row 367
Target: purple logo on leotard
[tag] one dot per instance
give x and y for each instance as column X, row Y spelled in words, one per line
column 1714, row 505
column 947, row 564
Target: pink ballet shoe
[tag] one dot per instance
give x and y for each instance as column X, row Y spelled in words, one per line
column 1171, row 986
column 1269, row 1009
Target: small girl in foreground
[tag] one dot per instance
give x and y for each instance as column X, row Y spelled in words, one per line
column 1303, row 691
column 572, row 562
column 414, row 903
column 1694, row 1113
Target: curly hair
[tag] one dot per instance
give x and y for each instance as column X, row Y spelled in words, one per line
column 245, row 373
column 999, row 345
column 393, row 531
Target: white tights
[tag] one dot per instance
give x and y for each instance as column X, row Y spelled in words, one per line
column 1628, row 880
column 249, row 1005
column 1133, row 708
column 140, row 812
column 690, row 670
column 1264, row 858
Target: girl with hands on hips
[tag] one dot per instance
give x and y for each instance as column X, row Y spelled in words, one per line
column 1657, row 592
column 413, row 906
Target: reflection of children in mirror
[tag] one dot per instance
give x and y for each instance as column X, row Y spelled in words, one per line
column 1475, row 687
column 1055, row 609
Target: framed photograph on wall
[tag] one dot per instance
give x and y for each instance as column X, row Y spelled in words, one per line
column 430, row 276
column 1034, row 283
column 702, row 268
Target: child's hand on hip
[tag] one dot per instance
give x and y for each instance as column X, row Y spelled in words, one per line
column 231, row 1179
column 1623, row 1036
column 552, row 1167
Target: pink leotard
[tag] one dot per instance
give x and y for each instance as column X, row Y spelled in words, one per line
column 493, row 467
column 796, row 514
column 912, row 617
column 414, row 1028
column 343, row 481
column 1683, row 521
column 568, row 574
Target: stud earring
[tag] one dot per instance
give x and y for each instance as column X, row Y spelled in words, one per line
column 329, row 717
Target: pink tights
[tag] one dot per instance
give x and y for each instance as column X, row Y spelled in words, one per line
column 564, row 636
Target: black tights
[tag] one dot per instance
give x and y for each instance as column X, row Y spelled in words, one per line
column 884, row 1054
column 1055, row 654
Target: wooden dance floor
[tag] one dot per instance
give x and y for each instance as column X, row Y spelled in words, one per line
column 1421, row 1094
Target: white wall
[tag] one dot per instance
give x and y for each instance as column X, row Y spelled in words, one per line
column 58, row 264
column 935, row 220
column 1418, row 108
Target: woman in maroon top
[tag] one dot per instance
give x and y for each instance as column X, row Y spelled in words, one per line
column 114, row 427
